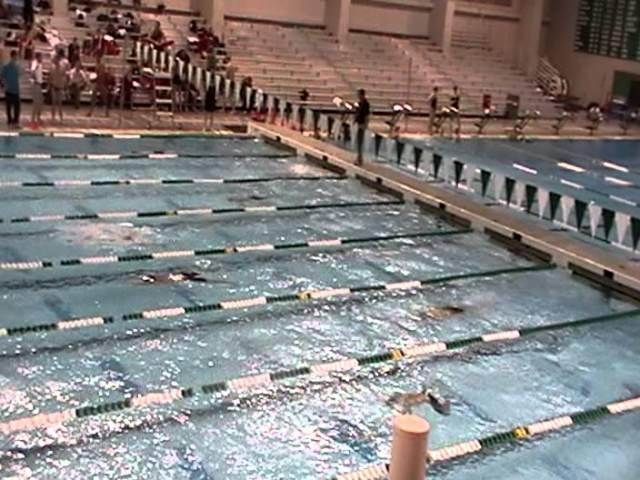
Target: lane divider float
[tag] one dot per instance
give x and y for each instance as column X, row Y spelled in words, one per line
column 227, row 250
column 198, row 211
column 159, row 155
column 245, row 303
column 506, row 438
column 322, row 369
column 122, row 182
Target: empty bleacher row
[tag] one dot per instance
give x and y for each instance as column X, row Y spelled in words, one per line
column 283, row 60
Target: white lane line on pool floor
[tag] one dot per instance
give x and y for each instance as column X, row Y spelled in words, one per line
column 617, row 181
column 615, row 166
column 623, row 200
column 571, row 184
column 524, row 168
column 571, row 167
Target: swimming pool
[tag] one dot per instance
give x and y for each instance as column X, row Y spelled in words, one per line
column 281, row 293
column 588, row 186
column 593, row 170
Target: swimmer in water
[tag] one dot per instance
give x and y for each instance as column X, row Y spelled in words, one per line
column 248, row 198
column 443, row 312
column 406, row 401
column 177, row 277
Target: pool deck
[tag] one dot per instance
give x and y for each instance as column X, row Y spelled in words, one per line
column 144, row 120
column 602, row 265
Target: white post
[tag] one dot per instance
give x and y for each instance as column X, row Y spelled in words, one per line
column 60, row 8
column 337, row 14
column 213, row 12
column 441, row 21
column 409, row 448
column 529, row 34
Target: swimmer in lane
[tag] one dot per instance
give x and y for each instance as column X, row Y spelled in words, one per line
column 442, row 312
column 248, row 198
column 405, row 402
column 172, row 277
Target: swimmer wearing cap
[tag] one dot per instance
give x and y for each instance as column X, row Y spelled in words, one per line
column 405, row 402
column 177, row 277
column 443, row 312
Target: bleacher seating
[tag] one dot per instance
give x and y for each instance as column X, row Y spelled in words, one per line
column 283, row 60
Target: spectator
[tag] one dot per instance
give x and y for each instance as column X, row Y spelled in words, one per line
column 27, row 12
column 10, row 76
column 209, row 105
column 302, row 112
column 58, row 77
column 44, row 6
column 111, row 30
column 81, row 18
column 191, row 96
column 115, row 17
column 158, row 38
column 131, row 26
column 229, row 92
column 4, row 11
column 363, row 111
column 37, row 80
column 245, row 95
column 183, row 55
column 87, row 44
column 433, row 108
column 77, row 83
column 455, row 111
column 128, row 86
column 177, row 88
column 73, row 51
column 212, row 61
column 102, row 87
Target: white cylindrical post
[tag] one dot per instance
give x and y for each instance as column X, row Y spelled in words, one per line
column 409, row 448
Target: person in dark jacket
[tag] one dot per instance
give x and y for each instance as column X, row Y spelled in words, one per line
column 363, row 111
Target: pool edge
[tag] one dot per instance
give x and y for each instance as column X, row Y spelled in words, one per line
column 609, row 269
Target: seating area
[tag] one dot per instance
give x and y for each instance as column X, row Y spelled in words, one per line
column 283, row 60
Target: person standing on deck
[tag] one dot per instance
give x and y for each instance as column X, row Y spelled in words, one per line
column 209, row 105
column 37, row 99
column 58, row 79
column 455, row 112
column 363, row 111
column 10, row 76
column 433, row 108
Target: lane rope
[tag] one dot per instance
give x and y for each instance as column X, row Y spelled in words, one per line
column 322, row 369
column 122, row 182
column 246, row 303
column 226, row 250
column 159, row 155
column 198, row 211
column 215, row 135
column 510, row 437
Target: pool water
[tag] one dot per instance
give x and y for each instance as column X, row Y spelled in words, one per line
column 310, row 428
column 603, row 171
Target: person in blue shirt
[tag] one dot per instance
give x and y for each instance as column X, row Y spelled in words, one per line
column 10, row 77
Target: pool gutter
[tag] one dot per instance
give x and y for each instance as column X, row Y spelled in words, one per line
column 603, row 266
